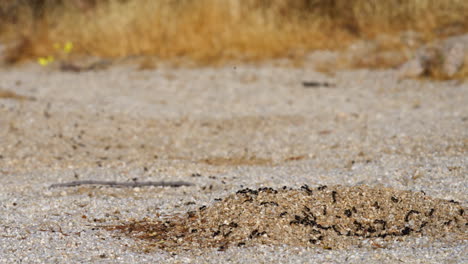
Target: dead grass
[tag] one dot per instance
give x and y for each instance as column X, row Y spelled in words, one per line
column 212, row 31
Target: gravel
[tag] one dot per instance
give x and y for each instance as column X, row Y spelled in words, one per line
column 221, row 129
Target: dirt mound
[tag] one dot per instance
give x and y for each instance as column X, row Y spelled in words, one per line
column 327, row 217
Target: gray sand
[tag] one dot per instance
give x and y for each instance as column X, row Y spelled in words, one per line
column 221, row 129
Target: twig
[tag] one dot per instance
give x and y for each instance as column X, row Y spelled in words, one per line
column 314, row 84
column 122, row 184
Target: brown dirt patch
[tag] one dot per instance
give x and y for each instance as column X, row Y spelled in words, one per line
column 109, row 140
column 327, row 217
column 5, row 94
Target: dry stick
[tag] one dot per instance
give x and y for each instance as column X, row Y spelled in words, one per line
column 314, row 84
column 122, row 184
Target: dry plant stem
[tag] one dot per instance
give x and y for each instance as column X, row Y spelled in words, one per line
column 122, row 184
column 314, row 84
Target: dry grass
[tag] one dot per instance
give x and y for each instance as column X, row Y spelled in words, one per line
column 212, row 31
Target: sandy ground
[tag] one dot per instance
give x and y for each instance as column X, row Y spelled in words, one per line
column 222, row 129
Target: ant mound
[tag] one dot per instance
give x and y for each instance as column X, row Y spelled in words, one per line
column 327, row 217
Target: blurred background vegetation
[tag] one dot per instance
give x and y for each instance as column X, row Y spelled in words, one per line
column 213, row 31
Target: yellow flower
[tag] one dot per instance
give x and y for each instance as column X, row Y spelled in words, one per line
column 68, row 47
column 44, row 61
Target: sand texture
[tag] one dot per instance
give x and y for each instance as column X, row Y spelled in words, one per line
column 237, row 164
